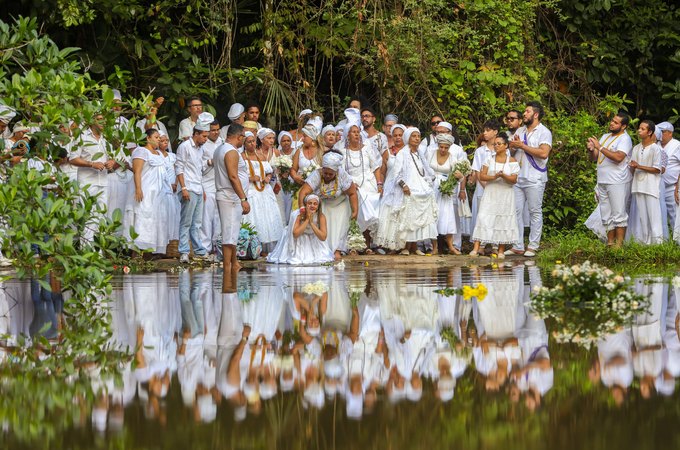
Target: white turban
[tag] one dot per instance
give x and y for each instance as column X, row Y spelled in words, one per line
column 446, row 389
column 412, row 393
column 446, row 125
column 235, row 111
column 407, row 134
column 207, row 409
column 332, row 368
column 248, row 134
column 304, row 112
column 665, row 126
column 355, row 405
column 445, row 139
column 116, row 95
column 284, row 133
column 310, row 131
column 264, row 132
column 332, row 160
column 327, row 129
column 398, row 125
column 314, row 395
column 204, row 121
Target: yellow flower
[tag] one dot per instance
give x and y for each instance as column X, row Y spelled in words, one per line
column 468, row 292
column 481, row 292
column 558, row 262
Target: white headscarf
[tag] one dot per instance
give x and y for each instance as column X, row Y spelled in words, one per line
column 282, row 134
column 327, row 129
column 397, row 125
column 445, row 139
column 264, row 132
column 332, row 160
column 407, row 134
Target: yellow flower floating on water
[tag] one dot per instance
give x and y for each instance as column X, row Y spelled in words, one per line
column 481, row 292
column 468, row 292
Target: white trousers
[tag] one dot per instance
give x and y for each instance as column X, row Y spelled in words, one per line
column 671, row 206
column 532, row 196
column 614, row 204
column 92, row 227
column 210, row 227
column 649, row 219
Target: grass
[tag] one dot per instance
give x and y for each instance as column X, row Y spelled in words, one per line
column 633, row 257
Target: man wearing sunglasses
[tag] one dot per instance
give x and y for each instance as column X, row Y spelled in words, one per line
column 513, row 120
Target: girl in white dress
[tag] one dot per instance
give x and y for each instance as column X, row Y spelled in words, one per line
column 264, row 212
column 496, row 222
column 386, row 226
column 441, row 162
column 148, row 217
column 304, row 240
column 482, row 155
column 363, row 164
column 171, row 203
column 338, row 195
column 408, row 191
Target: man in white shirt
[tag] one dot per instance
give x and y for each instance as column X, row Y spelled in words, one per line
column 93, row 158
column 253, row 113
column 612, row 153
column 231, row 183
column 189, row 169
column 531, row 148
column 210, row 226
column 236, row 114
column 186, row 126
column 670, row 177
column 377, row 139
column 431, row 142
column 513, row 120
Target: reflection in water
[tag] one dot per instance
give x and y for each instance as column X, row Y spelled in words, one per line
column 361, row 341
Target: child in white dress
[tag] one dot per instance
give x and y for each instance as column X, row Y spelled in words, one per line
column 496, row 222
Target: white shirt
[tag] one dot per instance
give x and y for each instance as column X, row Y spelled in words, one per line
column 670, row 177
column 645, row 182
column 190, row 164
column 160, row 126
column 528, row 175
column 223, row 186
column 209, row 171
column 186, row 128
column 379, row 143
column 482, row 154
column 609, row 171
column 91, row 149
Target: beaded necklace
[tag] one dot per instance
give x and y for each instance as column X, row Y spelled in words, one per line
column 348, row 162
column 259, row 185
column 325, row 193
column 422, row 174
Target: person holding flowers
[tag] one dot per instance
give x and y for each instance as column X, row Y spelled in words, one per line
column 448, row 179
column 286, row 186
column 496, row 221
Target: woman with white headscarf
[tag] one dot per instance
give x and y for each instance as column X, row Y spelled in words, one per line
column 172, row 204
column 338, row 197
column 310, row 153
column 284, row 199
column 264, row 213
column 304, row 241
column 363, row 164
column 409, row 195
column 441, row 162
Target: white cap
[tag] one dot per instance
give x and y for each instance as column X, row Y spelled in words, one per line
column 446, row 125
column 665, row 126
column 19, row 127
column 116, row 95
column 327, row 129
column 6, row 114
column 204, row 121
column 235, row 111
column 333, row 161
column 304, row 112
column 268, row 391
column 264, row 132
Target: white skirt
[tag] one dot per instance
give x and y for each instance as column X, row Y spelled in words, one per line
column 388, row 228
column 264, row 214
column 417, row 218
column 305, row 249
column 173, row 208
column 369, row 210
column 496, row 221
column 446, row 219
column 338, row 212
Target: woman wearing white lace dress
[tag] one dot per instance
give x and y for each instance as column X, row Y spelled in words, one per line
column 386, row 226
column 304, row 240
column 363, row 164
column 171, row 200
column 338, row 196
column 148, row 218
column 441, row 162
column 496, row 222
column 264, row 213
column 408, row 191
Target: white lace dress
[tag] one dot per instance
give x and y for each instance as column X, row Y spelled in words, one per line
column 361, row 166
column 264, row 213
column 335, row 205
column 447, row 204
column 496, row 220
column 305, row 249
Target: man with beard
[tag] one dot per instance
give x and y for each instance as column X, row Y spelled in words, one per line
column 531, row 146
column 612, row 153
column 513, row 119
column 377, row 139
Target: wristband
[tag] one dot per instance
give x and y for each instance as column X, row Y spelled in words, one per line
column 184, row 188
column 244, row 199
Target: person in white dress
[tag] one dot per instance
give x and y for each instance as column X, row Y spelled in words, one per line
column 264, row 214
column 496, row 221
column 441, row 163
column 645, row 165
column 363, row 164
column 408, row 192
column 149, row 218
column 310, row 153
column 171, row 199
column 304, row 240
column 210, row 224
column 285, row 199
column 482, row 154
column 338, row 196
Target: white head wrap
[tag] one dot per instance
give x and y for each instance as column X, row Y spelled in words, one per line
column 6, row 113
column 395, row 126
column 282, row 134
column 327, row 129
column 314, row 395
column 332, row 160
column 413, row 394
column 207, row 409
column 248, row 134
column 665, row 126
column 407, row 134
column 239, row 414
column 235, row 111
column 267, row 391
column 304, row 112
column 310, row 197
column 446, row 125
column 391, row 118
column 355, row 405
column 116, row 95
column 264, row 132
column 20, row 127
column 445, row 139
column 310, row 130
column 330, row 388
column 286, row 385
column 353, row 120
column 446, row 388
column 204, row 121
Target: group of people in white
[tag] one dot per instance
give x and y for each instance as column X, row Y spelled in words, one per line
column 300, row 190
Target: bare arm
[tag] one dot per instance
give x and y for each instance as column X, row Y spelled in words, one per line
column 137, row 167
column 353, row 200
column 231, row 162
column 296, row 167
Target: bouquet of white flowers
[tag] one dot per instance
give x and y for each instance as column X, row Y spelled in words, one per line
column 308, row 170
column 463, row 166
column 355, row 239
column 283, row 163
column 317, row 288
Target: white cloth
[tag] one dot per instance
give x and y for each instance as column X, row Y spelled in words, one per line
column 230, row 218
column 264, row 212
column 528, row 175
column 190, row 164
column 305, row 249
column 446, row 204
column 609, row 171
column 496, row 221
column 647, row 228
column 149, row 218
column 482, row 154
column 91, row 149
column 361, row 166
column 186, row 129
column 171, row 203
column 645, row 182
column 614, row 204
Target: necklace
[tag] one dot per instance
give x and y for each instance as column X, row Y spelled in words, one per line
column 325, row 193
column 259, row 185
column 607, row 145
column 348, row 162
column 422, row 174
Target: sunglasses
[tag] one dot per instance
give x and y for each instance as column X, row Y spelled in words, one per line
column 434, row 123
column 512, row 118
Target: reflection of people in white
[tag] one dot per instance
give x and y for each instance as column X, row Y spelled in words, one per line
column 612, row 153
column 645, row 165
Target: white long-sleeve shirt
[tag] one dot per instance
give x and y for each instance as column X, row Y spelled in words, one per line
column 190, row 164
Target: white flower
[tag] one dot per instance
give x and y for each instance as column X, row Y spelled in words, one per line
column 340, row 265
column 317, row 288
column 676, row 281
